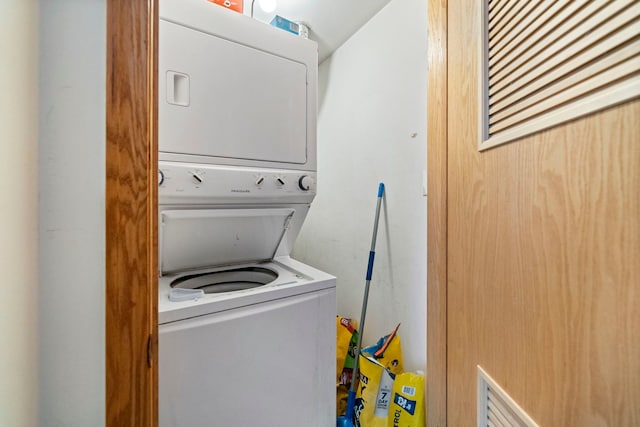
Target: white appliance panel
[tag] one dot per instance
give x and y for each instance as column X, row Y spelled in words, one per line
column 201, row 184
column 222, row 99
column 253, row 360
column 197, row 238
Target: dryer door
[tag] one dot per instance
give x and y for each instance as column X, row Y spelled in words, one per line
column 191, row 239
column 225, row 100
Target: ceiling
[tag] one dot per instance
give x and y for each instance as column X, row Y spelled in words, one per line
column 330, row 22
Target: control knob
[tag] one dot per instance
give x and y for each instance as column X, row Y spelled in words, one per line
column 196, row 177
column 305, row 182
column 160, row 177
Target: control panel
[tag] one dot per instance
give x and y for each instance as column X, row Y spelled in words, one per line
column 192, row 183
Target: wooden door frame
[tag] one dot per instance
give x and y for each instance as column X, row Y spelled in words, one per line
column 437, row 213
column 131, row 214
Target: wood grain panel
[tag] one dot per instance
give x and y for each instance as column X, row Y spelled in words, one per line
column 437, row 214
column 131, row 214
column 543, row 251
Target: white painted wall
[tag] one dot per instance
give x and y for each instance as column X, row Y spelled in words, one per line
column 18, row 212
column 372, row 99
column 71, row 209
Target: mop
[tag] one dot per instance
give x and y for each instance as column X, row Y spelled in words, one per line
column 347, row 419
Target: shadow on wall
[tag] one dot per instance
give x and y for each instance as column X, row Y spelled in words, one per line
column 323, row 82
column 385, row 214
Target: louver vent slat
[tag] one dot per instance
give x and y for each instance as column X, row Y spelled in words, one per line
column 522, row 39
column 553, row 55
column 495, row 413
column 547, row 62
column 505, row 19
column 507, row 29
column 496, row 408
column 496, row 5
column 566, row 76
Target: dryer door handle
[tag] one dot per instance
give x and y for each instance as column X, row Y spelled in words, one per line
column 178, row 88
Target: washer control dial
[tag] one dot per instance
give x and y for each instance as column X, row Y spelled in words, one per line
column 305, row 182
column 279, row 181
column 196, row 177
column 259, row 180
column 160, row 177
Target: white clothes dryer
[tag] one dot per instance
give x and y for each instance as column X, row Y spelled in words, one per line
column 233, row 90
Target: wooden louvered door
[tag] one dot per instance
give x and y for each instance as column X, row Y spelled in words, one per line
column 542, row 232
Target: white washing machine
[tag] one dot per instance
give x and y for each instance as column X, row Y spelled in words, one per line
column 246, row 333
column 250, row 337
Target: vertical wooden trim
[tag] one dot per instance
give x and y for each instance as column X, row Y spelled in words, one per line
column 131, row 214
column 437, row 214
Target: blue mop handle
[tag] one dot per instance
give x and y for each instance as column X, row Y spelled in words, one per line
column 372, row 254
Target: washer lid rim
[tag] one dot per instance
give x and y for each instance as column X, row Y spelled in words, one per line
column 227, row 280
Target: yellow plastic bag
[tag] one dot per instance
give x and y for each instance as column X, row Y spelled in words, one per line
column 374, row 393
column 388, row 352
column 379, row 364
column 407, row 405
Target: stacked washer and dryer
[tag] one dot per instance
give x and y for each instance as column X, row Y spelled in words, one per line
column 246, row 333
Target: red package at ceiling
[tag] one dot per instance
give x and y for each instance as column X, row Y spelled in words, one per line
column 229, row 4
